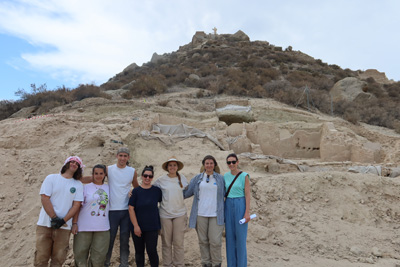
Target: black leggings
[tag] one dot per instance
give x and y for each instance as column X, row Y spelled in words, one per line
column 147, row 241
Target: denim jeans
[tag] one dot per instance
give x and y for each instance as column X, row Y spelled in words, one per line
column 148, row 241
column 236, row 234
column 119, row 218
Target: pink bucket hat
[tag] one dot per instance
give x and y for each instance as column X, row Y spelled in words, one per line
column 77, row 159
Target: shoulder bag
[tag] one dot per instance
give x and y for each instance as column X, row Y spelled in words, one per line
column 230, row 186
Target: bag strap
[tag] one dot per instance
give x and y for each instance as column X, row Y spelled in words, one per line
column 230, row 186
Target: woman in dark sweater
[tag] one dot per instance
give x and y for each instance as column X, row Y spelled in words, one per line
column 143, row 212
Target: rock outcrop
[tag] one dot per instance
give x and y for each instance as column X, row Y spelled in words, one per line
column 348, row 89
column 378, row 76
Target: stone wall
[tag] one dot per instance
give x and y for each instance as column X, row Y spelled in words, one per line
column 320, row 141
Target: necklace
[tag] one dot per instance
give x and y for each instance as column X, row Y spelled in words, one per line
column 98, row 186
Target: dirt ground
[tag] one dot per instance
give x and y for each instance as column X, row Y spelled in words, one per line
column 323, row 217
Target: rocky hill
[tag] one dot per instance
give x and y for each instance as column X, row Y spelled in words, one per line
column 311, row 210
column 234, row 65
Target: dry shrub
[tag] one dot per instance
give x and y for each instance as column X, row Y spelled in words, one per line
column 207, row 70
column 374, row 88
column 396, row 126
column 149, row 85
column 88, row 90
column 258, row 91
column 163, row 102
column 352, row 115
column 168, row 70
column 300, row 78
column 393, row 90
column 271, row 73
column 274, row 87
column 7, row 108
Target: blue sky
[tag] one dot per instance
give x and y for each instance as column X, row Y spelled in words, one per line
column 69, row 42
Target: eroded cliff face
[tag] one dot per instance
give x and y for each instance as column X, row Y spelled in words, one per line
column 311, row 211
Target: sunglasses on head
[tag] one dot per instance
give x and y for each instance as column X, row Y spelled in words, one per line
column 148, row 176
column 231, row 162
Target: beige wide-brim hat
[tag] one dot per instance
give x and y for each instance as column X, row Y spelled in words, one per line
column 172, row 159
column 216, row 169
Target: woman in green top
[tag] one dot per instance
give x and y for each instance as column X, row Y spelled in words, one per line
column 237, row 207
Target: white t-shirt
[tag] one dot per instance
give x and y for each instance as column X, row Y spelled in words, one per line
column 62, row 192
column 120, row 181
column 172, row 205
column 93, row 215
column 208, row 197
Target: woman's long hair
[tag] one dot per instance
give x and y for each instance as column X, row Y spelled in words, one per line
column 103, row 167
column 77, row 174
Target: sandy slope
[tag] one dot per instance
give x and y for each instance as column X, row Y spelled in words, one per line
column 325, row 218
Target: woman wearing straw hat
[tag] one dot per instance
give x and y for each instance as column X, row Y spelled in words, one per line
column 207, row 214
column 172, row 213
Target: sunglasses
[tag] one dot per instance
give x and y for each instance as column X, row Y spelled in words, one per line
column 231, row 162
column 148, row 176
column 208, row 178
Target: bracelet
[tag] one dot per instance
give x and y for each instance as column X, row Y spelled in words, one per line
column 74, row 223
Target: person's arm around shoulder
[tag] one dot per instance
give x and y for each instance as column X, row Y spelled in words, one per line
column 189, row 190
column 157, row 183
column 135, row 180
column 86, row 179
column 221, row 182
column 247, row 197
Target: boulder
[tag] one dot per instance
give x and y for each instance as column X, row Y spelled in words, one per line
column 116, row 94
column 235, row 129
column 199, row 38
column 235, row 114
column 241, row 36
column 241, row 145
column 194, row 77
column 348, row 89
column 156, row 57
column 131, row 67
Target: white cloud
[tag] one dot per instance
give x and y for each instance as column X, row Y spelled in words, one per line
column 92, row 40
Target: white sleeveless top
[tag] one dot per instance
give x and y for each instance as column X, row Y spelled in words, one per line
column 120, row 181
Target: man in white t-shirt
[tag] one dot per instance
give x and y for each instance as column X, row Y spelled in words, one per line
column 120, row 179
column 61, row 195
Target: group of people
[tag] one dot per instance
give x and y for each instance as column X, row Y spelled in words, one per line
column 94, row 213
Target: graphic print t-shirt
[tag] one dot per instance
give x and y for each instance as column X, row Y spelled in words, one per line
column 93, row 215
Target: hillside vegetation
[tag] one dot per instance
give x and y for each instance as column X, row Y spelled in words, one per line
column 231, row 64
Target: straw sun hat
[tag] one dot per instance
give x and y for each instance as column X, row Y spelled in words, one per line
column 172, row 159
